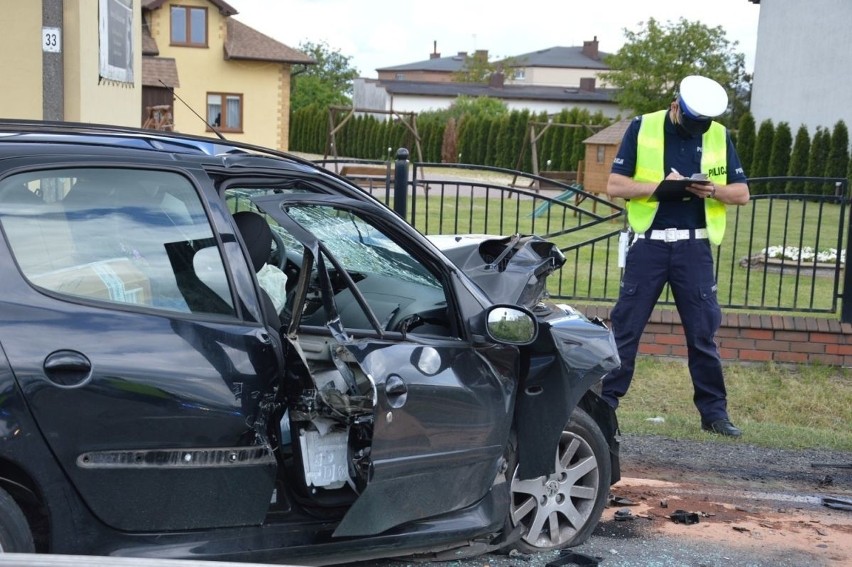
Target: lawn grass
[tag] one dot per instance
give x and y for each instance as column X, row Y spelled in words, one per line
column 789, row 407
column 591, row 272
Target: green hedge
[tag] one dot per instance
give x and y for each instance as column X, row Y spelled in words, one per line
column 497, row 141
column 503, row 140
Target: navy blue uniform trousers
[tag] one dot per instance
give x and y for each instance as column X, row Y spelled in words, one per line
column 687, row 265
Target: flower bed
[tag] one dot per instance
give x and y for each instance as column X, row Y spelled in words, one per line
column 790, row 260
column 804, row 255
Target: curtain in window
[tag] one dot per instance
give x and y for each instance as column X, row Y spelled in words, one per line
column 214, row 110
column 233, row 111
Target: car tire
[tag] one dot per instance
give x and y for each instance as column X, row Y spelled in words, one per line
column 573, row 496
column 15, row 535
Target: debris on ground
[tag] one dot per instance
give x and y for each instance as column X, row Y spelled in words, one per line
column 568, row 557
column 838, row 503
column 684, row 517
column 621, row 501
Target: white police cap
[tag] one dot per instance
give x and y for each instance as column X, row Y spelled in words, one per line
column 702, row 98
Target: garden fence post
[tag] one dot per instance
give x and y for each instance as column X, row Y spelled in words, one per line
column 846, row 295
column 400, row 183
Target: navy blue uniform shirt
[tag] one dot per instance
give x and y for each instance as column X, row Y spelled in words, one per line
column 684, row 155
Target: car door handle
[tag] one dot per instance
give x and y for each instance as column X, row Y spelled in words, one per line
column 396, row 391
column 67, row 368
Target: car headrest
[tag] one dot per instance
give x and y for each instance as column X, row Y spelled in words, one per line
column 257, row 236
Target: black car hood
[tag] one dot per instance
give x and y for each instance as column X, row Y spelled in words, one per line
column 509, row 269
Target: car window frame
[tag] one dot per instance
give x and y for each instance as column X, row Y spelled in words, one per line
column 197, row 183
column 316, row 248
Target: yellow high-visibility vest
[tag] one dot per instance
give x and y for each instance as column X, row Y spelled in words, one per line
column 650, row 147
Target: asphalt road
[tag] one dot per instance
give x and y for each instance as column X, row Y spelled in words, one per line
column 756, row 507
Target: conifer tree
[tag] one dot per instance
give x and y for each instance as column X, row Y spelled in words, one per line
column 799, row 160
column 745, row 140
column 568, row 141
column 464, row 128
column 510, row 150
column 762, row 151
column 849, row 174
column 782, row 144
column 319, row 131
column 504, row 158
column 483, row 124
column 558, row 137
column 490, row 158
column 545, row 147
column 779, row 158
column 818, row 160
column 838, row 155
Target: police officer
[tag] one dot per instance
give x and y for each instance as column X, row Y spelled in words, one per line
column 673, row 237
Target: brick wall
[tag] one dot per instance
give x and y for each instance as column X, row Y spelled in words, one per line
column 750, row 338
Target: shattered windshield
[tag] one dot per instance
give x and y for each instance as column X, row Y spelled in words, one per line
column 359, row 246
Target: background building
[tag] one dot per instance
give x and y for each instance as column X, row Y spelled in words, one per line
column 548, row 80
column 235, row 77
column 559, row 67
column 113, row 61
column 54, row 67
column 803, row 63
column 415, row 96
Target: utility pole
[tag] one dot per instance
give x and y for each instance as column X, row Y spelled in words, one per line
column 53, row 75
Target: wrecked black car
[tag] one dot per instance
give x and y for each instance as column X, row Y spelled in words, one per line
column 210, row 350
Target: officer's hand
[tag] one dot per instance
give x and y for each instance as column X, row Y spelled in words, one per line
column 702, row 190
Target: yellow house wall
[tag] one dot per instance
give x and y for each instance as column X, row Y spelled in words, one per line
column 264, row 86
column 85, row 99
column 21, row 60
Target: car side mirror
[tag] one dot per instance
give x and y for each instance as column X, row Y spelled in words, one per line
column 511, row 324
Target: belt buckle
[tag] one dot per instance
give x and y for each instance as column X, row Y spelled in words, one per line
column 670, row 234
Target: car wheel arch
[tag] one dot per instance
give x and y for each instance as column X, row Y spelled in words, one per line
column 586, row 470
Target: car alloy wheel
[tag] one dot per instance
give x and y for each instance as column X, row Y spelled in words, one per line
column 562, row 509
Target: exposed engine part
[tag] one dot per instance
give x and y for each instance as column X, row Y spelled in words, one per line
column 331, row 400
column 329, row 419
column 325, row 456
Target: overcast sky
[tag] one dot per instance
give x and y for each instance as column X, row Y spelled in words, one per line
column 385, row 33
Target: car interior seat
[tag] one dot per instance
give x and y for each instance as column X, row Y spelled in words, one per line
column 257, row 236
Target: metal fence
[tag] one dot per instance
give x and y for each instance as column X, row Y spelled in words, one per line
column 783, row 252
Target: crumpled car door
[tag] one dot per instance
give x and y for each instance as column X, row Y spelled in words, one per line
column 442, row 405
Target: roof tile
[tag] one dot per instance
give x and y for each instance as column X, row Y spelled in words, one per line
column 149, row 44
column 155, row 69
column 244, row 42
column 611, row 135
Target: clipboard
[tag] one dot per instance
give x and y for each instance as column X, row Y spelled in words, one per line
column 675, row 189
